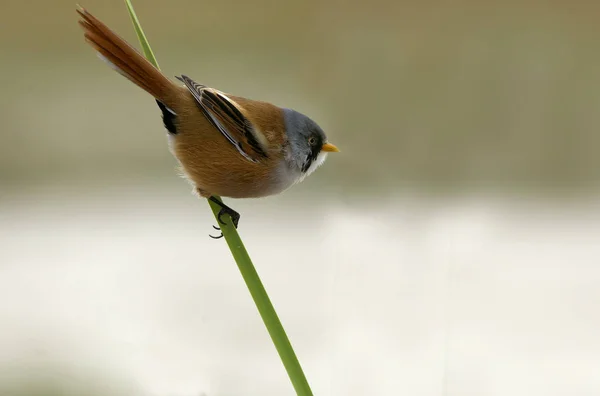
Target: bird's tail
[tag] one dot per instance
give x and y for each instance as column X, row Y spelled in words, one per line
column 128, row 62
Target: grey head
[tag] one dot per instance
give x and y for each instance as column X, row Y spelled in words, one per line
column 305, row 140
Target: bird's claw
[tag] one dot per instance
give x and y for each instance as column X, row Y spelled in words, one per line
column 235, row 216
column 225, row 210
column 216, row 237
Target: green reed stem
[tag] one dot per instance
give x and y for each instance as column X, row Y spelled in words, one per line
column 244, row 263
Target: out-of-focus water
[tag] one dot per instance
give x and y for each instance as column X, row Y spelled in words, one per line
column 451, row 248
column 469, row 296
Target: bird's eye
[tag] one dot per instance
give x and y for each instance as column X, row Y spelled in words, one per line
column 312, row 141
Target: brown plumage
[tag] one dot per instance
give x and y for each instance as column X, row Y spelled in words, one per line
column 226, row 145
column 214, row 166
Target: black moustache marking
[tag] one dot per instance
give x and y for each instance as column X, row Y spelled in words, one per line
column 307, row 164
column 314, row 153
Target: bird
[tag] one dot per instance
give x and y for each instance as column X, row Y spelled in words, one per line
column 226, row 145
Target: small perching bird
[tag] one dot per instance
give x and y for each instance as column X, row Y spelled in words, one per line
column 226, row 145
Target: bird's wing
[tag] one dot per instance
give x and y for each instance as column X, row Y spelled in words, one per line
column 226, row 116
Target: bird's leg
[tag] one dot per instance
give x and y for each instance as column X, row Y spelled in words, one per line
column 235, row 216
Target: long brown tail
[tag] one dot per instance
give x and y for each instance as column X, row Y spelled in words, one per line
column 126, row 60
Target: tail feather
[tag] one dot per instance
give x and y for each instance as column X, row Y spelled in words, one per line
column 126, row 60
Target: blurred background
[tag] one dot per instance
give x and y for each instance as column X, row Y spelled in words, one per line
column 452, row 248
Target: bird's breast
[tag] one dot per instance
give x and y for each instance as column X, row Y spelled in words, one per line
column 214, row 164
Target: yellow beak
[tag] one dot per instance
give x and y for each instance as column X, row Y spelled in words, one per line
column 330, row 148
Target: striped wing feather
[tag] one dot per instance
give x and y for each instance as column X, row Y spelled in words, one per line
column 225, row 115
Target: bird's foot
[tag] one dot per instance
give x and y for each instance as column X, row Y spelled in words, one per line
column 216, row 237
column 225, row 210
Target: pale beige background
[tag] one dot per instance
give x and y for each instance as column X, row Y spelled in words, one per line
column 452, row 248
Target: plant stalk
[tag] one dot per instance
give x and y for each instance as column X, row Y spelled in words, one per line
column 244, row 263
